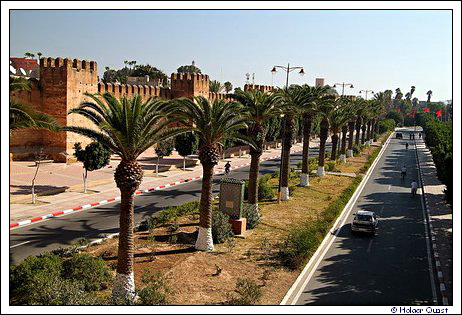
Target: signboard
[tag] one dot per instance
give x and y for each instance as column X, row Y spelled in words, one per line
column 231, row 197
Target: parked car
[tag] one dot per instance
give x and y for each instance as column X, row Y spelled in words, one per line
column 364, row 221
column 399, row 135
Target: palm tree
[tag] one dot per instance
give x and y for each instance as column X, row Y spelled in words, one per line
column 412, row 90
column 213, row 122
column 292, row 99
column 360, row 110
column 260, row 108
column 398, row 94
column 128, row 127
column 215, row 86
column 39, row 54
column 338, row 119
column 327, row 105
column 29, row 55
column 308, row 108
column 429, row 94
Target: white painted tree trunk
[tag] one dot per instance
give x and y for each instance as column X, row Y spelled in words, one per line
column 85, row 176
column 321, row 171
column 349, row 153
column 240, row 152
column 343, row 158
column 204, row 240
column 304, row 180
column 184, row 163
column 284, row 193
column 124, row 287
column 33, row 193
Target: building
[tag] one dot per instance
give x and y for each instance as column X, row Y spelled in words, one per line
column 25, row 68
column 61, row 86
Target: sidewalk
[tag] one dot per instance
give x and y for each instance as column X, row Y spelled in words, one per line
column 440, row 220
column 102, row 188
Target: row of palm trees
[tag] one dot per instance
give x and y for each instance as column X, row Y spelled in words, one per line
column 128, row 127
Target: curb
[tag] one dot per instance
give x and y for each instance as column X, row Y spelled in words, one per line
column 117, row 198
column 436, row 258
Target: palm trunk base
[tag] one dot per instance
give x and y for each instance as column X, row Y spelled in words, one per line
column 321, row 171
column 204, row 240
column 124, row 287
column 304, row 180
column 349, row 153
column 284, row 193
column 343, row 158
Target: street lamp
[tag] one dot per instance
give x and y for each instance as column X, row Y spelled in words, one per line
column 366, row 91
column 343, row 86
column 287, row 69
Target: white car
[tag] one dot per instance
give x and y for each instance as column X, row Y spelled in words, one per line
column 364, row 221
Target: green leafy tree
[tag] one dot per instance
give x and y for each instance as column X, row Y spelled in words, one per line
column 29, row 55
column 128, row 127
column 192, row 69
column 429, row 95
column 164, row 148
column 186, row 144
column 213, row 122
column 228, row 86
column 93, row 157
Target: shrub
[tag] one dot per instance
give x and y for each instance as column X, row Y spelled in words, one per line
column 221, row 228
column 386, row 125
column 168, row 215
column 252, row 214
column 265, row 191
column 248, row 293
column 39, row 280
column 331, row 166
column 90, row 271
column 156, row 292
column 292, row 190
column 275, row 174
column 357, row 149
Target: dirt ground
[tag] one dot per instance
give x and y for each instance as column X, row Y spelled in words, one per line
column 210, row 277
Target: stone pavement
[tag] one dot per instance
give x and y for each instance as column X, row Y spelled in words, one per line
column 440, row 220
column 60, row 178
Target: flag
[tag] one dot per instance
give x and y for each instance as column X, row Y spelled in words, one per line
column 438, row 114
column 426, row 110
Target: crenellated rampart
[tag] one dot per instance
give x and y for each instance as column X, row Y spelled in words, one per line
column 263, row 88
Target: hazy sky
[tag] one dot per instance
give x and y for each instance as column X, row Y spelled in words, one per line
column 374, row 50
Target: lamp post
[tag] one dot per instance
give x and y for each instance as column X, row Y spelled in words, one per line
column 343, row 86
column 366, row 91
column 287, row 69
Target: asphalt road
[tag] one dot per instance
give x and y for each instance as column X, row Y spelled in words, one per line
column 391, row 268
column 96, row 222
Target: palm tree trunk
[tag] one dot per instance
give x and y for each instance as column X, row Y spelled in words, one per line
column 351, row 127
column 369, row 130
column 128, row 177
column 307, row 121
column 333, row 153
column 363, row 135
column 204, row 239
column 359, row 122
column 289, row 128
column 253, row 175
column 322, row 146
column 344, row 139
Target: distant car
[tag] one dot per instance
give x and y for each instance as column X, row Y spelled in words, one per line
column 364, row 221
column 399, row 135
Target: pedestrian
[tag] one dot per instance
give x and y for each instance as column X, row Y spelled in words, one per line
column 227, row 167
column 414, row 187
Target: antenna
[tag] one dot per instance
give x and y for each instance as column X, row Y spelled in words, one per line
column 247, row 76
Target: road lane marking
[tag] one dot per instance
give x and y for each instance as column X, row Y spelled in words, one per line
column 389, row 187
column 19, row 244
column 317, row 257
column 370, row 245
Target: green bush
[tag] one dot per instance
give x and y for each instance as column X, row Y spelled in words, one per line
column 42, row 280
column 292, row 189
column 265, row 191
column 275, row 174
column 357, row 149
column 221, row 228
column 252, row 214
column 168, row 215
column 90, row 271
column 248, row 293
column 303, row 240
column 331, row 166
column 386, row 125
column 156, row 292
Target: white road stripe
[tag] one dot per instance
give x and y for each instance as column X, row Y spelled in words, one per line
column 370, row 245
column 20, row 244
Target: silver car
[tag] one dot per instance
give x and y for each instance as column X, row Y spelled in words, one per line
column 364, row 221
